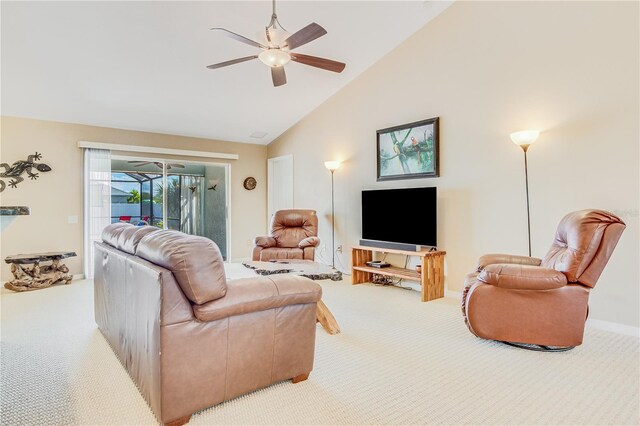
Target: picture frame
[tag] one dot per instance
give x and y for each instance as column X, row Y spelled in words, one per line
column 408, row 151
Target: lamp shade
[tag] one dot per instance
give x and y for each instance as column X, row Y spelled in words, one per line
column 332, row 165
column 525, row 137
column 274, row 57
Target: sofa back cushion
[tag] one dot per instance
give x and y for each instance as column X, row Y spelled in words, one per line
column 583, row 244
column 131, row 236
column 195, row 262
column 111, row 232
column 289, row 227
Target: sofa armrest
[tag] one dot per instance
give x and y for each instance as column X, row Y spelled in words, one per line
column 309, row 242
column 265, row 242
column 522, row 277
column 490, row 259
column 260, row 293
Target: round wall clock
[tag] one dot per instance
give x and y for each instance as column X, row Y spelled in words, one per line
column 249, row 183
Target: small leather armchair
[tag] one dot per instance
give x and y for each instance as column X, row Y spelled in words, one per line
column 542, row 303
column 294, row 235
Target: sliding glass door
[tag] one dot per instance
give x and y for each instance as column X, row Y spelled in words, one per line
column 185, row 196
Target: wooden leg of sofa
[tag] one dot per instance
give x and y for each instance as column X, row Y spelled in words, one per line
column 179, row 422
column 300, row 378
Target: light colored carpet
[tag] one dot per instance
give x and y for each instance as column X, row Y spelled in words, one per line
column 397, row 361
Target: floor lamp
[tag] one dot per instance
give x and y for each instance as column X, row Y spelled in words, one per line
column 524, row 139
column 332, row 166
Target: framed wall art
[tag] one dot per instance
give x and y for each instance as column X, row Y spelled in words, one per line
column 408, row 151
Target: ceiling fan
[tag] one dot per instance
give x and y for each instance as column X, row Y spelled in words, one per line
column 277, row 51
column 157, row 163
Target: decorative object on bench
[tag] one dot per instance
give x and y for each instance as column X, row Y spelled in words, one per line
column 308, row 269
column 16, row 170
column 408, row 151
column 294, row 235
column 37, row 277
column 542, row 304
column 15, row 211
column 189, row 337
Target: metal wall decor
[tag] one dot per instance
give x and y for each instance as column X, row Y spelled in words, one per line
column 15, row 171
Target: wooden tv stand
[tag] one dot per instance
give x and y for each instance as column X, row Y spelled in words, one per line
column 431, row 278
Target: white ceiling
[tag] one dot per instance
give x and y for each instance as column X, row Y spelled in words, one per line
column 141, row 65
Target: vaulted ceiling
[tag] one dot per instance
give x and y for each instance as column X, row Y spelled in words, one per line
column 141, row 65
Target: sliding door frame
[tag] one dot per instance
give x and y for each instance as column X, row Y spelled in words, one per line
column 164, row 161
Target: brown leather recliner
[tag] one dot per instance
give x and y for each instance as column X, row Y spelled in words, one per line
column 542, row 302
column 188, row 337
column 294, row 235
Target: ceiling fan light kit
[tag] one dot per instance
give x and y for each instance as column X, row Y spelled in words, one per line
column 274, row 57
column 277, row 51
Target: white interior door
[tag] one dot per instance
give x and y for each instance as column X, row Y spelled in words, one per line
column 280, row 184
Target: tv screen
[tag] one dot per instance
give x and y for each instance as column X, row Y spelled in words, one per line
column 400, row 215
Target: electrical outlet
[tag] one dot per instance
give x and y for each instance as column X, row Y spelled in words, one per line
column 339, row 249
column 248, row 243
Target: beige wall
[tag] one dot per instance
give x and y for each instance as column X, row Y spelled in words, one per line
column 486, row 69
column 58, row 194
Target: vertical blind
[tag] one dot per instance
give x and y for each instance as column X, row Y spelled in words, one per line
column 97, row 201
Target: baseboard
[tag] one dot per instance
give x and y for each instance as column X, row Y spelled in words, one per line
column 78, row 276
column 614, row 327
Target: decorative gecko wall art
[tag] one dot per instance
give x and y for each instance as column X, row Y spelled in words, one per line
column 16, row 170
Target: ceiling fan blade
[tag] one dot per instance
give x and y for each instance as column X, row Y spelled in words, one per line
column 240, row 38
column 305, row 35
column 231, row 62
column 314, row 61
column 278, row 76
column 139, row 163
column 179, row 166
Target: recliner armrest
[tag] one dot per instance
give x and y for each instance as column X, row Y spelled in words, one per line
column 265, row 242
column 522, row 277
column 494, row 258
column 309, row 242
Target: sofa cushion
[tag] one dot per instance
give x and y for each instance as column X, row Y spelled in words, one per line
column 111, row 232
column 259, row 293
column 273, row 253
column 195, row 261
column 130, row 237
column 289, row 227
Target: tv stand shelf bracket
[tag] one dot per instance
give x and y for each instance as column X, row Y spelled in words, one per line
column 431, row 278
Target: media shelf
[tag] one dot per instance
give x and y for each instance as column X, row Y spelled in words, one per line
column 431, row 278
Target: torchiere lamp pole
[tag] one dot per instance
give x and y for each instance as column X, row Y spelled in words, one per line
column 332, row 166
column 524, row 139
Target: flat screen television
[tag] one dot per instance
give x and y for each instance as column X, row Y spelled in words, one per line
column 405, row 215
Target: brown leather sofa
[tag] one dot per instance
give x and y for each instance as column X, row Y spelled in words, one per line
column 542, row 302
column 188, row 337
column 294, row 235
